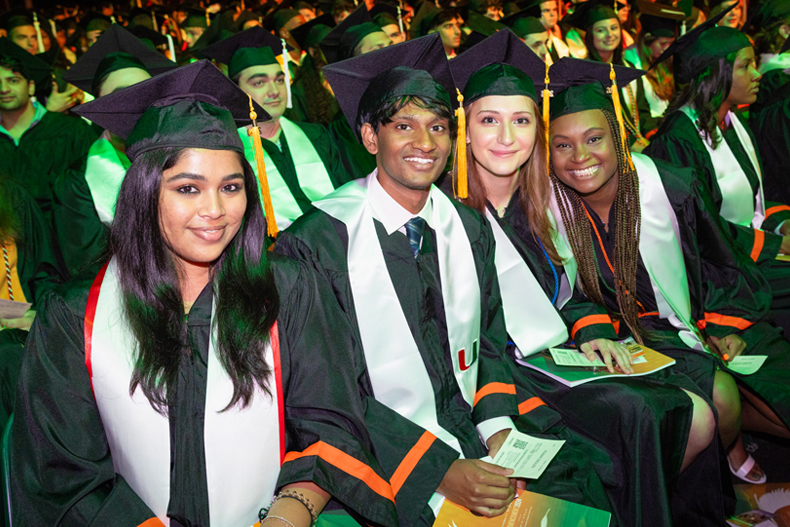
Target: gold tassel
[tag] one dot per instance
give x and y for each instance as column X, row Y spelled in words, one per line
column 546, row 118
column 460, row 151
column 208, row 19
column 268, row 209
column 618, row 112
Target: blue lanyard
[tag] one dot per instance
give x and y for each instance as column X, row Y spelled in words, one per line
column 553, row 271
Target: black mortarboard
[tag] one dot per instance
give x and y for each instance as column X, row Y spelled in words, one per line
column 196, row 17
column 247, row 16
column 769, row 12
column 499, row 65
column 353, row 37
column 482, row 27
column 37, row 70
column 332, row 43
column 251, row 47
column 97, row 62
column 93, row 21
column 306, row 37
column 588, row 13
column 424, row 19
column 384, row 20
column 417, row 67
column 194, row 106
column 659, row 20
column 701, row 47
column 145, row 33
column 16, row 18
column 282, row 17
column 143, row 17
column 381, row 8
column 712, row 4
column 525, row 22
column 580, row 85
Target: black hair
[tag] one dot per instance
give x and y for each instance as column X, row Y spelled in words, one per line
column 768, row 39
column 705, row 94
column 445, row 15
column 14, row 64
column 384, row 113
column 246, row 304
column 342, row 5
column 321, row 105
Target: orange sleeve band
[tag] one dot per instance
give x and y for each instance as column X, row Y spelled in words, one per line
column 775, row 209
column 153, row 522
column 492, row 388
column 757, row 248
column 589, row 320
column 353, row 467
column 529, row 405
column 723, row 320
column 410, row 461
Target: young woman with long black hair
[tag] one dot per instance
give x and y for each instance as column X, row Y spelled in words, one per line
column 175, row 386
column 635, row 225
column 652, row 427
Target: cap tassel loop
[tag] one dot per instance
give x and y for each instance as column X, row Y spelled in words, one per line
column 53, row 28
column 618, row 112
column 462, row 190
column 547, row 95
column 287, row 72
column 208, row 19
column 263, row 182
column 37, row 25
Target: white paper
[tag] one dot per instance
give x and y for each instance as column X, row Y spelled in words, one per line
column 11, row 309
column 528, row 456
column 746, row 364
column 566, row 357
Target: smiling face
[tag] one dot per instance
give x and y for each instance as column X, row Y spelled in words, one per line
column 733, row 18
column 201, row 205
column 411, row 151
column 606, row 35
column 583, row 152
column 501, row 134
column 266, row 85
column 745, row 78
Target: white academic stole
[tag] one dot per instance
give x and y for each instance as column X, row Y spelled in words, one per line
column 243, row 447
column 104, row 173
column 395, row 366
column 738, row 199
column 532, row 321
column 313, row 178
column 661, row 252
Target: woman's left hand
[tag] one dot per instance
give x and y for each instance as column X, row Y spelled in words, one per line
column 609, row 350
column 24, row 322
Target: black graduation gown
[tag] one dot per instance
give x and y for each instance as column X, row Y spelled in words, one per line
column 322, row 242
column 45, row 151
column 357, row 160
column 301, row 103
column 38, row 272
column 728, row 294
column 61, row 461
column 327, row 150
column 647, row 123
column 679, row 142
column 643, row 423
column 769, row 120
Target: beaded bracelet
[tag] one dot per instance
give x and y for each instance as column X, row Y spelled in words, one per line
column 304, row 500
column 278, row 518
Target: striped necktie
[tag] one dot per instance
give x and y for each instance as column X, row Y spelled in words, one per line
column 414, row 230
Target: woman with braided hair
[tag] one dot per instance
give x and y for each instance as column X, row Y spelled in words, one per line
column 661, row 424
column 635, row 225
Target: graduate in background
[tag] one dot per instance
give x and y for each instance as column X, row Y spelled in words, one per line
column 769, row 115
column 715, row 73
column 414, row 272
column 653, row 427
column 193, row 365
column 635, row 225
column 532, row 32
column 84, row 195
column 302, row 162
column 36, row 145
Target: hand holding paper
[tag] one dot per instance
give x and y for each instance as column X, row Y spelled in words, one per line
column 527, row 456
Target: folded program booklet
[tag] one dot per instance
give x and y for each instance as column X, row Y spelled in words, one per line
column 527, row 510
column 646, row 361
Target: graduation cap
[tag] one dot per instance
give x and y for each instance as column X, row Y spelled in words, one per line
column 414, row 68
column 499, row 65
column 588, row 13
column 281, row 17
column 482, row 27
column 659, row 20
column 335, row 46
column 36, row 69
column 196, row 17
column 424, row 19
column 116, row 49
column 16, row 18
column 702, row 46
column 527, row 21
column 247, row 16
column 305, row 35
column 94, row 21
column 146, row 34
column 252, row 47
column 194, row 106
column 579, row 85
column 769, row 12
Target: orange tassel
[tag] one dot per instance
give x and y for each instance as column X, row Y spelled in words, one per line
column 263, row 182
column 546, row 118
column 460, row 151
column 618, row 112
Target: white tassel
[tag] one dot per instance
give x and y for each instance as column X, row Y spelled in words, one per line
column 153, row 21
column 112, row 20
column 400, row 20
column 38, row 33
column 53, row 28
column 287, row 72
column 171, row 47
column 683, row 28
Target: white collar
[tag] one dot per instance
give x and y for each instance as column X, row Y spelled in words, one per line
column 388, row 211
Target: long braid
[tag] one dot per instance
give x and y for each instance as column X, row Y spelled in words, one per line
column 627, row 231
